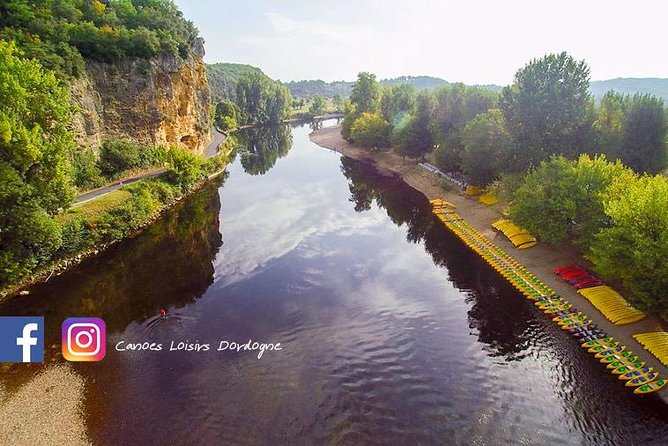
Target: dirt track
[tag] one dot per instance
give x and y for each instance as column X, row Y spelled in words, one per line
column 541, row 259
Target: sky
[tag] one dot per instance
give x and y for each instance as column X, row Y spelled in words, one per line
column 470, row 41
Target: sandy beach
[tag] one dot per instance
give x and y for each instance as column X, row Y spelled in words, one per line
column 46, row 410
column 541, row 259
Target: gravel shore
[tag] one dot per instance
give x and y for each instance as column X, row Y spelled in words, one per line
column 48, row 410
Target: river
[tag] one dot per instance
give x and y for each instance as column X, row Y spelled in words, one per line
column 391, row 331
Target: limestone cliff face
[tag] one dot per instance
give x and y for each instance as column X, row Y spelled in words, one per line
column 161, row 101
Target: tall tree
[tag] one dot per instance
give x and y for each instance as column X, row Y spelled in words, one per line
column 35, row 141
column 633, row 248
column 561, row 198
column 397, row 102
column 548, row 108
column 644, row 142
column 455, row 106
column 366, row 93
column 487, row 143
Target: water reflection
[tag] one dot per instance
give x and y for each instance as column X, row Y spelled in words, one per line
column 120, row 287
column 261, row 147
column 498, row 314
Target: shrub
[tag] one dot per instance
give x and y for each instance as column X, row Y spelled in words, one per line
column 186, row 168
column 370, row 130
column 87, row 174
column 117, row 156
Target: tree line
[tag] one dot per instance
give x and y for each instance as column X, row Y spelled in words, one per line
column 259, row 100
column 572, row 169
column 61, row 34
column 547, row 111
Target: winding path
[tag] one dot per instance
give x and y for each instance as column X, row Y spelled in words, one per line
column 90, row 195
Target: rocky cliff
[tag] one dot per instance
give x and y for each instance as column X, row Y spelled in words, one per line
column 161, row 101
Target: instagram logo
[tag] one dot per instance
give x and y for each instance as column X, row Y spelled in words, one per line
column 84, row 339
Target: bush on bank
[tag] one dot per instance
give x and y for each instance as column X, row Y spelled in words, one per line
column 71, row 236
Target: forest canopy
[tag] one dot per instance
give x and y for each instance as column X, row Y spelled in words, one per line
column 61, row 33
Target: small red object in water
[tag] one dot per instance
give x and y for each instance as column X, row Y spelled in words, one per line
column 163, row 313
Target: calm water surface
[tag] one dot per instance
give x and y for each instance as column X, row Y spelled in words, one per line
column 392, row 331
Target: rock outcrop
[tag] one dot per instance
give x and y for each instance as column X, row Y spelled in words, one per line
column 160, row 101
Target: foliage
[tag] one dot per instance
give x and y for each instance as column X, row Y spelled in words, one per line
column 634, row 248
column 317, row 107
column 397, row 101
column 644, row 142
column 632, row 129
column 34, row 170
column 261, row 100
column 87, row 173
column 185, row 168
column 118, row 156
column 486, row 144
column 455, row 106
column 548, row 109
column 370, row 130
column 412, row 136
column 312, row 88
column 366, row 93
column 226, row 115
column 562, row 198
column 224, row 77
column 59, row 32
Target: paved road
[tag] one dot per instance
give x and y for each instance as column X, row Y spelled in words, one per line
column 210, row 151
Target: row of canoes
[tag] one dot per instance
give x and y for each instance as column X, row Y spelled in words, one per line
column 617, row 358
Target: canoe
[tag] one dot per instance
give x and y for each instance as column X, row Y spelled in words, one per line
column 600, row 347
column 651, row 387
column 642, row 379
column 616, row 361
column 610, row 351
column 630, row 372
column 604, row 340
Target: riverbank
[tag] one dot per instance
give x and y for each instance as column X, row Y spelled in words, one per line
column 46, row 410
column 540, row 260
column 139, row 217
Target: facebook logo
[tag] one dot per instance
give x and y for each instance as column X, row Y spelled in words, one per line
column 21, row 339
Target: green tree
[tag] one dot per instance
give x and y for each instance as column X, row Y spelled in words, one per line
column 370, row 130
column 226, row 115
column 548, row 109
column 644, row 142
column 261, row 100
column 486, row 143
column 185, row 168
column 561, row 199
column 455, row 106
column 609, row 124
column 634, row 248
column 35, row 142
column 366, row 93
column 317, row 107
column 397, row 102
column 337, row 100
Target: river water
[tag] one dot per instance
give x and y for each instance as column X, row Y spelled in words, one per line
column 391, row 331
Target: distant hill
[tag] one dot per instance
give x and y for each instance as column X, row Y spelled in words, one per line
column 311, row 88
column 223, row 78
column 419, row 82
column 654, row 86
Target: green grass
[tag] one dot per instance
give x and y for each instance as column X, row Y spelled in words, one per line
column 94, row 209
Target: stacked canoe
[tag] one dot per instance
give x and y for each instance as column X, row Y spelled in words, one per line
column 488, row 199
column 613, row 306
column 519, row 237
column 656, row 343
column 618, row 359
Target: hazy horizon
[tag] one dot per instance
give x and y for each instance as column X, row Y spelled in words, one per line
column 475, row 42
